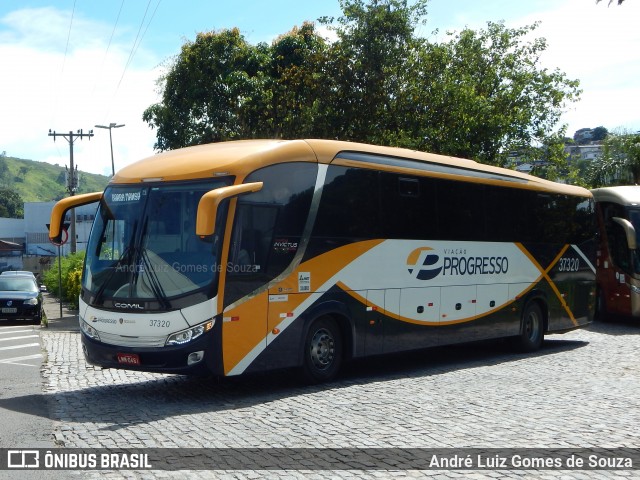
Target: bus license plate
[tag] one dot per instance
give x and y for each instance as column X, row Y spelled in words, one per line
column 9, row 310
column 129, row 358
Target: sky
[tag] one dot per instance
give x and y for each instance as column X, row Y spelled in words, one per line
column 68, row 65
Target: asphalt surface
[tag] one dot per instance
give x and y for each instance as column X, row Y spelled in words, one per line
column 581, row 390
column 25, row 417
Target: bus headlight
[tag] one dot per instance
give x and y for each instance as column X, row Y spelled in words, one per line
column 185, row 336
column 31, row 301
column 89, row 330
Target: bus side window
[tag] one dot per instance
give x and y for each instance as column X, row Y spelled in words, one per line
column 461, row 211
column 268, row 226
column 251, row 238
column 349, row 210
column 408, row 206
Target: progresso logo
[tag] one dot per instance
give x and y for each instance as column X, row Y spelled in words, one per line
column 425, row 263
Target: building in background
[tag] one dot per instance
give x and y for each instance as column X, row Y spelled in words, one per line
column 11, row 243
column 24, row 243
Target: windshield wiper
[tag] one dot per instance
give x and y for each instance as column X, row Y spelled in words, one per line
column 155, row 284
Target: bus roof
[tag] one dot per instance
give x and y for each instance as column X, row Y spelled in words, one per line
column 624, row 195
column 239, row 158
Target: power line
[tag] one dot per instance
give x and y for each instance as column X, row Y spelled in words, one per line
column 136, row 43
column 114, row 30
column 133, row 47
column 64, row 62
column 66, row 48
column 104, row 58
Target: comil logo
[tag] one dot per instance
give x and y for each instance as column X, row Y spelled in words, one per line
column 423, row 264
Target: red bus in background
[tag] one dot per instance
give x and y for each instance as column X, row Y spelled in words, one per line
column 618, row 260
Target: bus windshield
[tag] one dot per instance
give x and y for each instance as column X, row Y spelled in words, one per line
column 143, row 246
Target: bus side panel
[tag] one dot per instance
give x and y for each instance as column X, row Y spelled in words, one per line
column 499, row 324
column 429, row 293
column 567, row 283
column 292, row 319
column 243, row 331
column 578, row 294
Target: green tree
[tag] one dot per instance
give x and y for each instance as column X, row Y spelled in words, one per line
column 619, row 163
column 71, row 272
column 4, row 168
column 599, row 133
column 295, row 84
column 550, row 159
column 11, row 204
column 479, row 95
column 209, row 86
column 366, row 68
column 483, row 94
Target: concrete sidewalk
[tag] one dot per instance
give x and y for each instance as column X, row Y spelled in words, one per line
column 68, row 321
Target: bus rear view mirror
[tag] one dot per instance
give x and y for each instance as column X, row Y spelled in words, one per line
column 60, row 209
column 628, row 230
column 210, row 201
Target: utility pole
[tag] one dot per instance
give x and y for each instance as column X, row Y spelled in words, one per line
column 110, row 127
column 72, row 182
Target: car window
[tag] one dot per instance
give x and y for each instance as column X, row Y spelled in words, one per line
column 18, row 285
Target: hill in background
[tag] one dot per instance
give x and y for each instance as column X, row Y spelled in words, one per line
column 43, row 182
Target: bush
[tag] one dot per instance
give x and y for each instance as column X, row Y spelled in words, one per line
column 71, row 271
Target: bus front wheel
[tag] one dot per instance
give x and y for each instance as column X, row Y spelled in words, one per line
column 322, row 350
column 531, row 330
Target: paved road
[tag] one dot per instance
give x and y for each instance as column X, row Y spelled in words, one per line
column 581, row 390
column 19, row 344
column 24, row 414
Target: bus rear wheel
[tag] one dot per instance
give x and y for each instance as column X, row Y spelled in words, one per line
column 322, row 350
column 531, row 329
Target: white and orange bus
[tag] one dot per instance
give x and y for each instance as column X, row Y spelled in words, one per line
column 618, row 258
column 252, row 255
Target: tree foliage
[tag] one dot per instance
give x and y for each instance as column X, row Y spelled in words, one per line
column 4, row 168
column 11, row 204
column 619, row 163
column 207, row 91
column 599, row 133
column 482, row 94
column 479, row 94
column 71, row 272
column 366, row 68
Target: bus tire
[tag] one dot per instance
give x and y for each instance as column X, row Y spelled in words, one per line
column 322, row 350
column 531, row 329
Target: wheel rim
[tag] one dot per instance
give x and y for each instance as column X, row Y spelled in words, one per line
column 532, row 326
column 322, row 349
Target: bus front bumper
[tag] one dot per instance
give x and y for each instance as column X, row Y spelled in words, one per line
column 201, row 356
